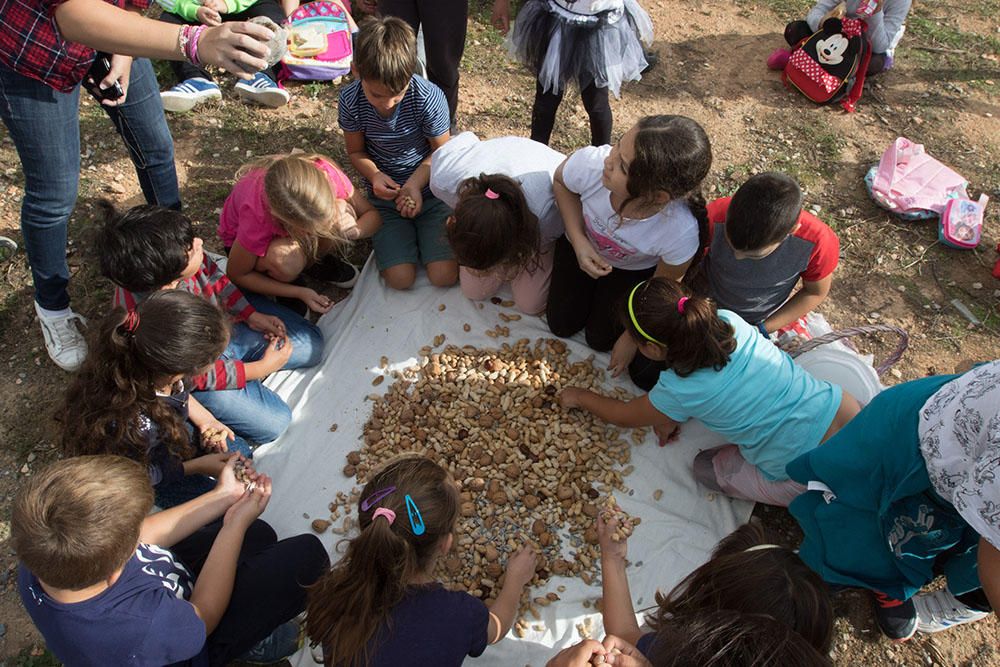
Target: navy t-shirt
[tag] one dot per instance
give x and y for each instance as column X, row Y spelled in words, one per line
column 142, row 619
column 432, row 626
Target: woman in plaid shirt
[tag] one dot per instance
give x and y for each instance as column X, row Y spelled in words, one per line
column 47, row 48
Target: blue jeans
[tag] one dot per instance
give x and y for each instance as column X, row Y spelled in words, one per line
column 45, row 127
column 255, row 412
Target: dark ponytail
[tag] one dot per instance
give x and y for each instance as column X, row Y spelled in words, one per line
column 699, row 209
column 689, row 327
column 349, row 604
column 493, row 226
column 170, row 333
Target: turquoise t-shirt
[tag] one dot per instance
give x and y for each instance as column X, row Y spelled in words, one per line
column 760, row 400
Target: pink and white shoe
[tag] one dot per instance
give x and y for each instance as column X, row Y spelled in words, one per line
column 778, row 59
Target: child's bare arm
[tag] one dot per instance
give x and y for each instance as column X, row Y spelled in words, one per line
column 214, row 587
column 629, row 414
column 571, row 210
column 520, row 570
column 672, row 271
column 172, row 525
column 242, row 271
column 617, row 610
column 383, row 186
column 806, row 299
column 410, row 198
column 369, row 219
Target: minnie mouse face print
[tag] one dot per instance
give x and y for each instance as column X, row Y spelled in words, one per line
column 830, row 51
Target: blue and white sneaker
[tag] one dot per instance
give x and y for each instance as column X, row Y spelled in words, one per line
column 262, row 90
column 186, row 94
column 941, row 610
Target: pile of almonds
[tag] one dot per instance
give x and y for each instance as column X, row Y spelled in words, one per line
column 528, row 470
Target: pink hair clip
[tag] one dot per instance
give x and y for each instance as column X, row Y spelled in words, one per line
column 490, row 194
column 680, row 304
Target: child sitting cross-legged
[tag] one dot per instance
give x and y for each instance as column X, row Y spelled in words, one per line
column 762, row 244
column 204, row 583
column 288, row 216
column 381, row 606
column 132, row 395
column 150, row 248
column 719, row 370
column 393, row 121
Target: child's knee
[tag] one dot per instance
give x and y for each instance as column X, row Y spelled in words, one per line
column 401, row 276
column 284, row 261
column 443, row 274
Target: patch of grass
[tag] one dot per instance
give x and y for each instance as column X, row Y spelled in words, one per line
column 789, row 10
column 313, row 89
column 26, row 658
column 940, row 34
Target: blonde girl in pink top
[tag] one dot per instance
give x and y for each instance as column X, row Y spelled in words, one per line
column 288, row 214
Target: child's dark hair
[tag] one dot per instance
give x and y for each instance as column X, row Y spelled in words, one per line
column 78, row 520
column 752, row 573
column 674, row 155
column 170, row 333
column 728, row 638
column 693, row 334
column 144, row 248
column 353, row 600
column 386, row 52
column 494, row 231
column 763, row 211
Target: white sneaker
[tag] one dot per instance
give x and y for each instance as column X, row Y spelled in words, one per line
column 64, row 338
column 941, row 610
column 263, row 91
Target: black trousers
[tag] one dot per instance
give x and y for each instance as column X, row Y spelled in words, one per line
column 796, row 31
column 577, row 301
column 270, row 8
column 269, row 590
column 444, row 23
column 595, row 101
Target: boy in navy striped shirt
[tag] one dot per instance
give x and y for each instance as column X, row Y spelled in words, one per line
column 393, row 121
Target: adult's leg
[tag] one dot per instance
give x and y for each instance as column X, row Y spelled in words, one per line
column 595, row 101
column 45, row 127
column 278, row 575
column 141, row 123
column 183, row 69
column 444, row 23
column 603, row 327
column 543, row 113
column 571, row 292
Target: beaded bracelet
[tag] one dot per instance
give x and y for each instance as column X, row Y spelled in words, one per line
column 183, row 37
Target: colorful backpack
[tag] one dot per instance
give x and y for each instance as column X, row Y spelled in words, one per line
column 912, row 184
column 319, row 42
column 830, row 65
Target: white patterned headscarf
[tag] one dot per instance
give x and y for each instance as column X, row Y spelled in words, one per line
column 959, row 432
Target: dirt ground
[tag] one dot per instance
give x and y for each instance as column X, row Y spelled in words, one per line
column 943, row 92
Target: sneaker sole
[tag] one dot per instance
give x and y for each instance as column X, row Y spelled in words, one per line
column 272, row 99
column 179, row 103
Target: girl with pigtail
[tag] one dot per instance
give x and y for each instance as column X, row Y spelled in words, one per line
column 381, row 606
column 131, row 397
column 505, row 220
column 716, row 368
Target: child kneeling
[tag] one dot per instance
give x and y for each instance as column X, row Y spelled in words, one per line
column 107, row 584
column 718, row 369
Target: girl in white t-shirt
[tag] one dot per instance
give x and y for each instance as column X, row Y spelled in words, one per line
column 630, row 210
column 506, row 220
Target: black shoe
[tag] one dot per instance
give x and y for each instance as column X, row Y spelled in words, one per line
column 897, row 619
column 652, row 60
column 332, row 269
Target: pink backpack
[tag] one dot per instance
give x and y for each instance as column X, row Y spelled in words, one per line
column 912, row 184
column 319, row 42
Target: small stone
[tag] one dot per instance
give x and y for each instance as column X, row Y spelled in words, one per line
column 977, row 286
column 896, row 373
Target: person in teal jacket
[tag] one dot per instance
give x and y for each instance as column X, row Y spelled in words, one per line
column 908, row 490
column 194, row 83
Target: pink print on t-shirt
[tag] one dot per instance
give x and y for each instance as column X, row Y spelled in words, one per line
column 609, row 247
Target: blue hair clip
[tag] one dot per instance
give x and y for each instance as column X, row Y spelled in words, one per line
column 376, row 497
column 416, row 521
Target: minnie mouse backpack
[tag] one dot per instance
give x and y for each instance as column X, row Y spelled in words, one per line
column 830, row 65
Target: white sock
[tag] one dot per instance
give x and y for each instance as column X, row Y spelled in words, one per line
column 64, row 312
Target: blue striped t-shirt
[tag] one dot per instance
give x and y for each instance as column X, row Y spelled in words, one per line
column 397, row 144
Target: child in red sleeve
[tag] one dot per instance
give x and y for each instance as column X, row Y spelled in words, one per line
column 761, row 245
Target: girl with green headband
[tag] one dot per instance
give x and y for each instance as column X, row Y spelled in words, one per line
column 719, row 370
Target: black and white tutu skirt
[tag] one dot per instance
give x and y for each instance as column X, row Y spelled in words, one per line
column 561, row 46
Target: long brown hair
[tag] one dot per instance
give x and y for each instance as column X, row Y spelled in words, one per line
column 300, row 197
column 354, row 599
column 171, row 333
column 693, row 335
column 772, row 581
column 498, row 231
